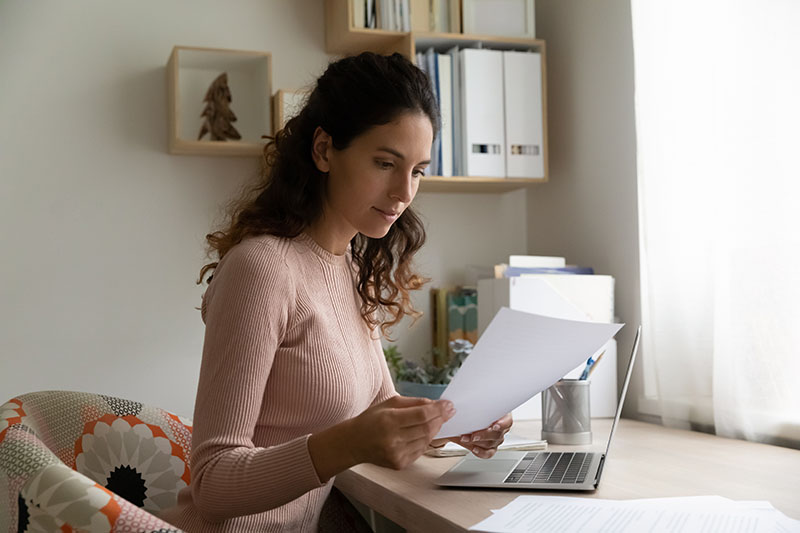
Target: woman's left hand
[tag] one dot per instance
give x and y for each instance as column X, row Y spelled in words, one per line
column 484, row 443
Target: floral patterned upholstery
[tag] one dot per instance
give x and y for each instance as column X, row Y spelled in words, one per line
column 75, row 461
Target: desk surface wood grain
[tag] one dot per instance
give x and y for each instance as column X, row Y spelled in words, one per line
column 645, row 461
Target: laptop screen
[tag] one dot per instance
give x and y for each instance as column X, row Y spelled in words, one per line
column 624, row 387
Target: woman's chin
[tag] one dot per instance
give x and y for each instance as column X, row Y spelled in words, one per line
column 378, row 232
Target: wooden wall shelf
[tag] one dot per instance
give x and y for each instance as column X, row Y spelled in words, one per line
column 190, row 71
column 342, row 37
column 475, row 184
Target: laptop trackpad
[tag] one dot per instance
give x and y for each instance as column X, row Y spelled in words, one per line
column 482, row 471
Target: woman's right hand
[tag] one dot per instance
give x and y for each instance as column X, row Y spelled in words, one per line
column 396, row 432
column 391, row 434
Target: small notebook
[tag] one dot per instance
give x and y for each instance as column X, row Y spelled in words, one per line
column 511, row 442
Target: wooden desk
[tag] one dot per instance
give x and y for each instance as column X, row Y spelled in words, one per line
column 645, row 461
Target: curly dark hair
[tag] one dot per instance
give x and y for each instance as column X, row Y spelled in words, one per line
column 353, row 95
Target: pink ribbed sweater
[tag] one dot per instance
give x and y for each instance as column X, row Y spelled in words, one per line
column 286, row 354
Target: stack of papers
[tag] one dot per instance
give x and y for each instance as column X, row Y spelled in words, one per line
column 698, row 513
column 510, row 442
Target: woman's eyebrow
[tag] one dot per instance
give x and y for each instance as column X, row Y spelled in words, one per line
column 399, row 155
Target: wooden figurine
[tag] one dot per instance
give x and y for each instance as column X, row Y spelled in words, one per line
column 218, row 115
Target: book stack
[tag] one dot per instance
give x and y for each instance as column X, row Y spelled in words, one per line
column 392, row 15
column 404, row 15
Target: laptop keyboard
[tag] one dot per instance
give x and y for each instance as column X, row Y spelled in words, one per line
column 551, row 467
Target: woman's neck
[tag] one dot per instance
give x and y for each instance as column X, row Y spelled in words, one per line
column 330, row 237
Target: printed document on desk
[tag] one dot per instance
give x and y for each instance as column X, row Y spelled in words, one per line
column 517, row 356
column 531, row 514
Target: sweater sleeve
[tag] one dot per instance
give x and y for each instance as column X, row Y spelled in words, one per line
column 246, row 314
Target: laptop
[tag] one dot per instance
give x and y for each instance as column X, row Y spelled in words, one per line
column 543, row 470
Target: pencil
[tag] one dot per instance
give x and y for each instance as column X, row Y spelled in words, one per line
column 595, row 363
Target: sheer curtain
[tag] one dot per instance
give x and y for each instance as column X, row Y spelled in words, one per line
column 718, row 136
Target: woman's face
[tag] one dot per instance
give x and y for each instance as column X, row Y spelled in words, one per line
column 374, row 179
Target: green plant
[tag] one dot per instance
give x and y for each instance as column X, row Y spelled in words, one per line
column 428, row 373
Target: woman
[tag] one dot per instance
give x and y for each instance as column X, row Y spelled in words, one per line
column 293, row 385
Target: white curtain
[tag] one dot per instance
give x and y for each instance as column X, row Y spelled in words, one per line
column 717, row 86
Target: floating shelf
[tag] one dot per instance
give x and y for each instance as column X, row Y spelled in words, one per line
column 342, row 37
column 191, row 70
column 286, row 103
column 443, row 41
column 475, row 184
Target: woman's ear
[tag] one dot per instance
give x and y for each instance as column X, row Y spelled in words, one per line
column 321, row 146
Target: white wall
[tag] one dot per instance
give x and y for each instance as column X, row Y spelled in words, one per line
column 463, row 230
column 588, row 210
column 102, row 231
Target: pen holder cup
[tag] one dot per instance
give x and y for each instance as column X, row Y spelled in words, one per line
column 565, row 413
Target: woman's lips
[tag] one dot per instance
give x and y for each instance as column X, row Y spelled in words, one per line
column 391, row 216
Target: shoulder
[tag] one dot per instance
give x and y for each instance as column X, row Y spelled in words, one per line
column 262, row 253
column 260, row 261
column 254, row 270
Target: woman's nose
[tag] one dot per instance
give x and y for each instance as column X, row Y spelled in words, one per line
column 403, row 187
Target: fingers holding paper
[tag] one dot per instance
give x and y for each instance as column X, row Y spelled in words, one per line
column 396, row 432
column 484, row 443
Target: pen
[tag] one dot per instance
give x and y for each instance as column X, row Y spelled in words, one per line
column 590, row 366
column 585, row 373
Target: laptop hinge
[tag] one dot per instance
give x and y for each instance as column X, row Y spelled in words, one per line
column 600, row 470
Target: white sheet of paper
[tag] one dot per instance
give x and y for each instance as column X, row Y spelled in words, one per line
column 519, row 355
column 510, row 442
column 531, row 514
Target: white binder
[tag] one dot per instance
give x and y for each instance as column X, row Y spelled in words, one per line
column 445, row 72
column 482, row 112
column 455, row 61
column 524, row 153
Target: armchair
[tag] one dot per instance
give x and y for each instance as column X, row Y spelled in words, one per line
column 75, row 461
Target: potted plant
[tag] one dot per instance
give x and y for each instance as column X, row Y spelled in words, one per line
column 427, row 380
